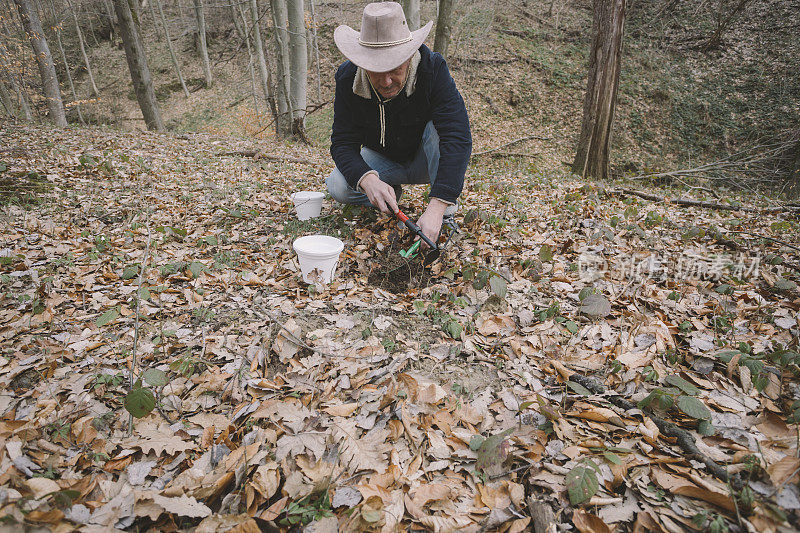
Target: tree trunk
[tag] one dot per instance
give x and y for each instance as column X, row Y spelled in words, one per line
column 251, row 63
column 8, row 74
column 794, row 177
column 280, row 16
column 57, row 25
column 95, row 92
column 171, row 50
column 411, row 9
column 315, row 44
column 201, row 28
column 5, row 98
column 263, row 69
column 137, row 64
column 298, row 58
column 33, row 27
column 444, row 27
column 155, row 19
column 592, row 158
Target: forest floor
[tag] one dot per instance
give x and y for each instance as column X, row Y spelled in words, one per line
column 579, row 354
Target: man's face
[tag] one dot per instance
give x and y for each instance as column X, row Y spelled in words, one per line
column 389, row 84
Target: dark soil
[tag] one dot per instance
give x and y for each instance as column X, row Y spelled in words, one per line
column 396, row 274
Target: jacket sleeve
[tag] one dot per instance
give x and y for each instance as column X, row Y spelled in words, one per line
column 455, row 139
column 346, row 137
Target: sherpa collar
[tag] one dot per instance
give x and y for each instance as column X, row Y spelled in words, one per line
column 361, row 86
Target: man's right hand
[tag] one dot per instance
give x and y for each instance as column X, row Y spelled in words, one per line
column 380, row 193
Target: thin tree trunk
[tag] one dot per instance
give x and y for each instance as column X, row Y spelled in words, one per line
column 592, row 157
column 137, row 64
column 33, row 27
column 57, row 28
column 180, row 10
column 250, row 65
column 171, row 50
column 155, row 19
column 89, row 71
column 280, row 16
column 5, row 70
column 298, row 58
column 444, row 27
column 794, row 176
column 201, row 28
column 235, row 13
column 723, row 23
column 316, row 50
column 5, row 98
column 411, row 9
column 263, row 69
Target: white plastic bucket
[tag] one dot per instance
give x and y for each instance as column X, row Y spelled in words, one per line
column 308, row 204
column 318, row 256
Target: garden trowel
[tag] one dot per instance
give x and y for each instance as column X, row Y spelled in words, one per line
column 434, row 252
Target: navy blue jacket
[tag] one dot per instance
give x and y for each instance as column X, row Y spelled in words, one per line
column 356, row 123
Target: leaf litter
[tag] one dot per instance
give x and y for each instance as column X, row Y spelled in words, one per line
column 608, row 358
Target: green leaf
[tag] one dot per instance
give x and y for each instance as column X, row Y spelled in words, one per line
column 155, row 377
column 693, row 407
column 581, row 484
column 586, row 291
column 371, row 515
column 578, row 388
column 787, row 285
column 140, row 402
column 498, row 286
column 724, row 289
column 596, row 305
column 475, row 442
column 571, row 326
column 130, row 271
column 107, row 317
column 706, row 428
column 196, row 268
column 612, row 457
column 546, row 253
column 454, row 329
column 682, row 384
column 492, row 451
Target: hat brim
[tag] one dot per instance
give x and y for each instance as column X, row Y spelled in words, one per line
column 375, row 59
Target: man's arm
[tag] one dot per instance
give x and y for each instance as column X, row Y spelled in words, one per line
column 346, row 137
column 455, row 146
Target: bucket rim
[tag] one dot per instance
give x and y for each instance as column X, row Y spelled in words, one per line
column 334, row 245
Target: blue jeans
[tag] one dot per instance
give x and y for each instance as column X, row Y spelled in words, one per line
column 422, row 169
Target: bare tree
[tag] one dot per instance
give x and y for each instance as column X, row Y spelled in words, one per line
column 724, row 21
column 137, row 64
column 411, row 9
column 592, row 157
column 315, row 45
column 9, row 75
column 171, row 50
column 47, row 71
column 298, row 57
column 280, row 19
column 444, row 27
column 263, row 69
column 83, row 50
column 57, row 27
column 251, row 63
column 201, row 29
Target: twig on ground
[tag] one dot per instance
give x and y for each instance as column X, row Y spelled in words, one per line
column 258, row 154
column 700, row 203
column 683, row 438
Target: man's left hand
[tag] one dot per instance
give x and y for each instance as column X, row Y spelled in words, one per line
column 431, row 220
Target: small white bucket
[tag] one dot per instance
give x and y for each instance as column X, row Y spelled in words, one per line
column 318, row 256
column 308, row 204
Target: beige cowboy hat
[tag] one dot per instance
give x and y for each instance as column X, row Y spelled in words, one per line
column 384, row 42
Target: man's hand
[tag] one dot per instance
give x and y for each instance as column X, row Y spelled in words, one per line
column 380, row 194
column 431, row 220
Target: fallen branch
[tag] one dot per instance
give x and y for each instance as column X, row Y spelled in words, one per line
column 701, row 203
column 258, row 154
column 515, row 141
column 683, row 438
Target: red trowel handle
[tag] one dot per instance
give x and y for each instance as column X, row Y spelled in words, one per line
column 416, row 229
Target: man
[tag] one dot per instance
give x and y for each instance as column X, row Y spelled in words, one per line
column 398, row 119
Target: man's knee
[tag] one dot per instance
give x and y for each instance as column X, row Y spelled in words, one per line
column 337, row 186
